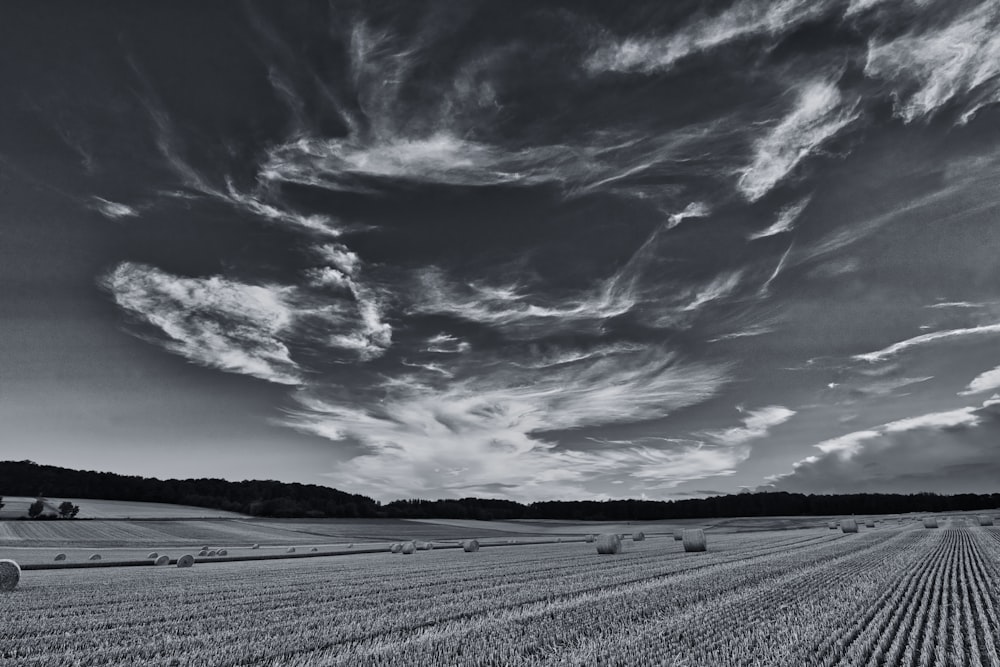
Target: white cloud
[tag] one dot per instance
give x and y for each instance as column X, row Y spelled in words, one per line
column 820, row 112
column 756, row 424
column 785, row 221
column 934, row 67
column 948, row 452
column 114, row 210
column 986, row 381
column 212, row 321
column 693, row 210
column 425, row 437
column 743, row 19
column 924, row 339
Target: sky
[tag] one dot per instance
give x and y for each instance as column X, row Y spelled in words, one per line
column 524, row 250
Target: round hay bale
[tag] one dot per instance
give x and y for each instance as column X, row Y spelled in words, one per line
column 848, row 526
column 222, row 552
column 60, row 556
column 205, row 548
column 869, row 524
column 638, row 536
column 255, row 546
column 832, row 525
column 396, row 547
column 409, row 548
column 678, row 535
column 290, row 550
column 212, row 554
column 609, row 543
column 984, row 520
column 10, row 575
column 187, row 560
column 930, row 522
column 694, row 540
column 351, row 546
column 590, row 538
column 162, row 560
column 470, row 545
column 95, row 557
column 203, row 553
column 153, row 555
column 314, row 549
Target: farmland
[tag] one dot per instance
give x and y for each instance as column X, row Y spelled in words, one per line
column 895, row 594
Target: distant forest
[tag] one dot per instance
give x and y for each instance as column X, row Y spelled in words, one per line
column 279, row 499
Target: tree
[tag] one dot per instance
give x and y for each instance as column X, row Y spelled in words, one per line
column 36, row 509
column 68, row 510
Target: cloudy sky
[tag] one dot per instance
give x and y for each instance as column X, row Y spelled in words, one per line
column 527, row 250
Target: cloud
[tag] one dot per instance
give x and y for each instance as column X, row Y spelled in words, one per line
column 444, row 343
column 785, row 221
column 742, row 20
column 693, row 210
column 949, row 452
column 248, row 329
column 756, row 424
column 929, row 69
column 212, row 321
column 113, row 210
column 925, row 339
column 431, row 437
column 820, row 112
column 986, row 381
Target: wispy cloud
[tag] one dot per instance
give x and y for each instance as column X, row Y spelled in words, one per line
column 693, row 210
column 925, row 339
column 212, row 321
column 114, row 210
column 785, row 220
column 986, row 381
column 934, row 67
column 486, row 428
column 819, row 113
column 742, row 20
column 952, row 452
column 756, row 424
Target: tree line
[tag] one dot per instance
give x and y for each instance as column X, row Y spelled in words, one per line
column 279, row 499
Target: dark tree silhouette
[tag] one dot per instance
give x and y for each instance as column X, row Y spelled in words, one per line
column 36, row 508
column 68, row 510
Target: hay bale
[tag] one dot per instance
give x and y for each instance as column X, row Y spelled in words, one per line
column 203, row 553
column 694, row 540
column 409, row 547
column 984, row 520
column 95, row 557
column 396, row 547
column 848, row 526
column 590, row 538
column 638, row 536
column 222, row 552
column 869, row 524
column 832, row 525
column 205, row 548
column 609, row 543
column 60, row 556
column 187, row 560
column 678, row 535
column 162, row 560
column 470, row 545
column 558, row 539
column 212, row 554
column 255, row 546
column 153, row 555
column 314, row 549
column 930, row 522
column 351, row 546
column 290, row 550
column 10, row 575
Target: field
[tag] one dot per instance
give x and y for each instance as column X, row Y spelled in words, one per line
column 896, row 594
column 17, row 506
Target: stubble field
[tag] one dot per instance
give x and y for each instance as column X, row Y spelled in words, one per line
column 896, row 594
